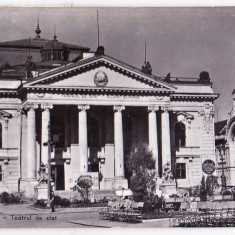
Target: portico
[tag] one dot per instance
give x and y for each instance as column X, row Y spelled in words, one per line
column 95, row 132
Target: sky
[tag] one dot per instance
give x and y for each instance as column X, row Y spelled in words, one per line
column 183, row 41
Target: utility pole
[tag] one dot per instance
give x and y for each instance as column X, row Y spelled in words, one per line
column 49, row 165
column 49, row 144
column 222, row 152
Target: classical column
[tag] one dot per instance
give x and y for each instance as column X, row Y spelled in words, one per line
column 82, row 136
column 118, row 141
column 153, row 142
column 31, row 142
column 166, row 144
column 45, row 131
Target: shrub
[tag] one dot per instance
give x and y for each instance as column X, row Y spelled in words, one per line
column 41, row 203
column 64, row 202
column 10, row 198
column 57, row 200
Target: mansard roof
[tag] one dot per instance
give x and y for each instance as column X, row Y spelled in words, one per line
column 38, row 43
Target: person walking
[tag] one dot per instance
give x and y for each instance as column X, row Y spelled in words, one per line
column 52, row 201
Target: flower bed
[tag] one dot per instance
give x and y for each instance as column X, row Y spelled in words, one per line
column 66, row 203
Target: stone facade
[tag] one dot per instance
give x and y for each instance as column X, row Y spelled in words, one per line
column 95, row 110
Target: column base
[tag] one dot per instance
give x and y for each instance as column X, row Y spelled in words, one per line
column 30, row 188
column 120, row 183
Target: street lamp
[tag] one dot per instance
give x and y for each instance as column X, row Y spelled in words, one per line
column 50, row 144
column 222, row 151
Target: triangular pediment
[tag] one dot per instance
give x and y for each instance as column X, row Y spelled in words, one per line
column 99, row 72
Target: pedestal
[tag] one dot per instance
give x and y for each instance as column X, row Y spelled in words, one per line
column 30, row 188
column 41, row 191
column 120, row 183
column 168, row 188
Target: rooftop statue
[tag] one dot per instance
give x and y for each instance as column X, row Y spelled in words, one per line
column 147, row 68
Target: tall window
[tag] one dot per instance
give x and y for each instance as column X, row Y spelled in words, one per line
column 0, row 135
column 179, row 134
column 180, row 170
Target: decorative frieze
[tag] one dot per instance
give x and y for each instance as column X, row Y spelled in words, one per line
column 207, row 114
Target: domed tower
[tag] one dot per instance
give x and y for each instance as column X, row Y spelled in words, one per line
column 54, row 51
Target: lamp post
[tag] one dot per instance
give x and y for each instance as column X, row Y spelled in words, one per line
column 222, row 150
column 50, row 145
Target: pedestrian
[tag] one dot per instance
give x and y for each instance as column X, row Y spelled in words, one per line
column 52, row 202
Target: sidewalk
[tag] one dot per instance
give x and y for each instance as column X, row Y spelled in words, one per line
column 156, row 223
column 29, row 209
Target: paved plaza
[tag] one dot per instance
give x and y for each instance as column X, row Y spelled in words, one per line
column 25, row 216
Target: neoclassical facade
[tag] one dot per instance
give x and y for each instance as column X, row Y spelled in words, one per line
column 95, row 110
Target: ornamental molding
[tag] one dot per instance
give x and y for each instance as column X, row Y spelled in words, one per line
column 207, row 113
column 30, row 106
column 46, row 106
column 83, row 107
column 184, row 116
column 118, row 108
column 153, row 108
column 166, row 108
column 101, row 79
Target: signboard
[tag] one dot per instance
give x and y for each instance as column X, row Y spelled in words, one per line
column 208, row 167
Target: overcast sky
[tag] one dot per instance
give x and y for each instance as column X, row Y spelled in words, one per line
column 183, row 41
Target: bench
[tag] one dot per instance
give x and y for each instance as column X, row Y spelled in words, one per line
column 127, row 211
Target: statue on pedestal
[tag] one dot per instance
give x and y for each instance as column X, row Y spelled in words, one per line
column 167, row 175
column 43, row 176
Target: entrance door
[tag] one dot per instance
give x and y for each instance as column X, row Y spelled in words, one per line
column 58, row 176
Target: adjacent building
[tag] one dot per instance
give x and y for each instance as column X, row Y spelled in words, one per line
column 225, row 147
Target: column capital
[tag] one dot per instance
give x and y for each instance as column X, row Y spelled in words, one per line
column 153, row 108
column 46, row 106
column 4, row 121
column 20, row 111
column 83, row 107
column 118, row 108
column 166, row 108
column 29, row 106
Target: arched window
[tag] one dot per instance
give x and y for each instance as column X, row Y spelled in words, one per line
column 0, row 135
column 180, row 134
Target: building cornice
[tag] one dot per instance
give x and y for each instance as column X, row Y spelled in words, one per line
column 194, row 96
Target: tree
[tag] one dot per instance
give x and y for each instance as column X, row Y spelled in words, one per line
column 203, row 190
column 141, row 166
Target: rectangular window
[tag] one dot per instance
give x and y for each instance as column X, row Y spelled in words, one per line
column 180, row 170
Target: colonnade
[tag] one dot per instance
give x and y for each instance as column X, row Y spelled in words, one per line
column 83, row 137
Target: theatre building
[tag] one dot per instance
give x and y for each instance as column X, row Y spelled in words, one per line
column 96, row 108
